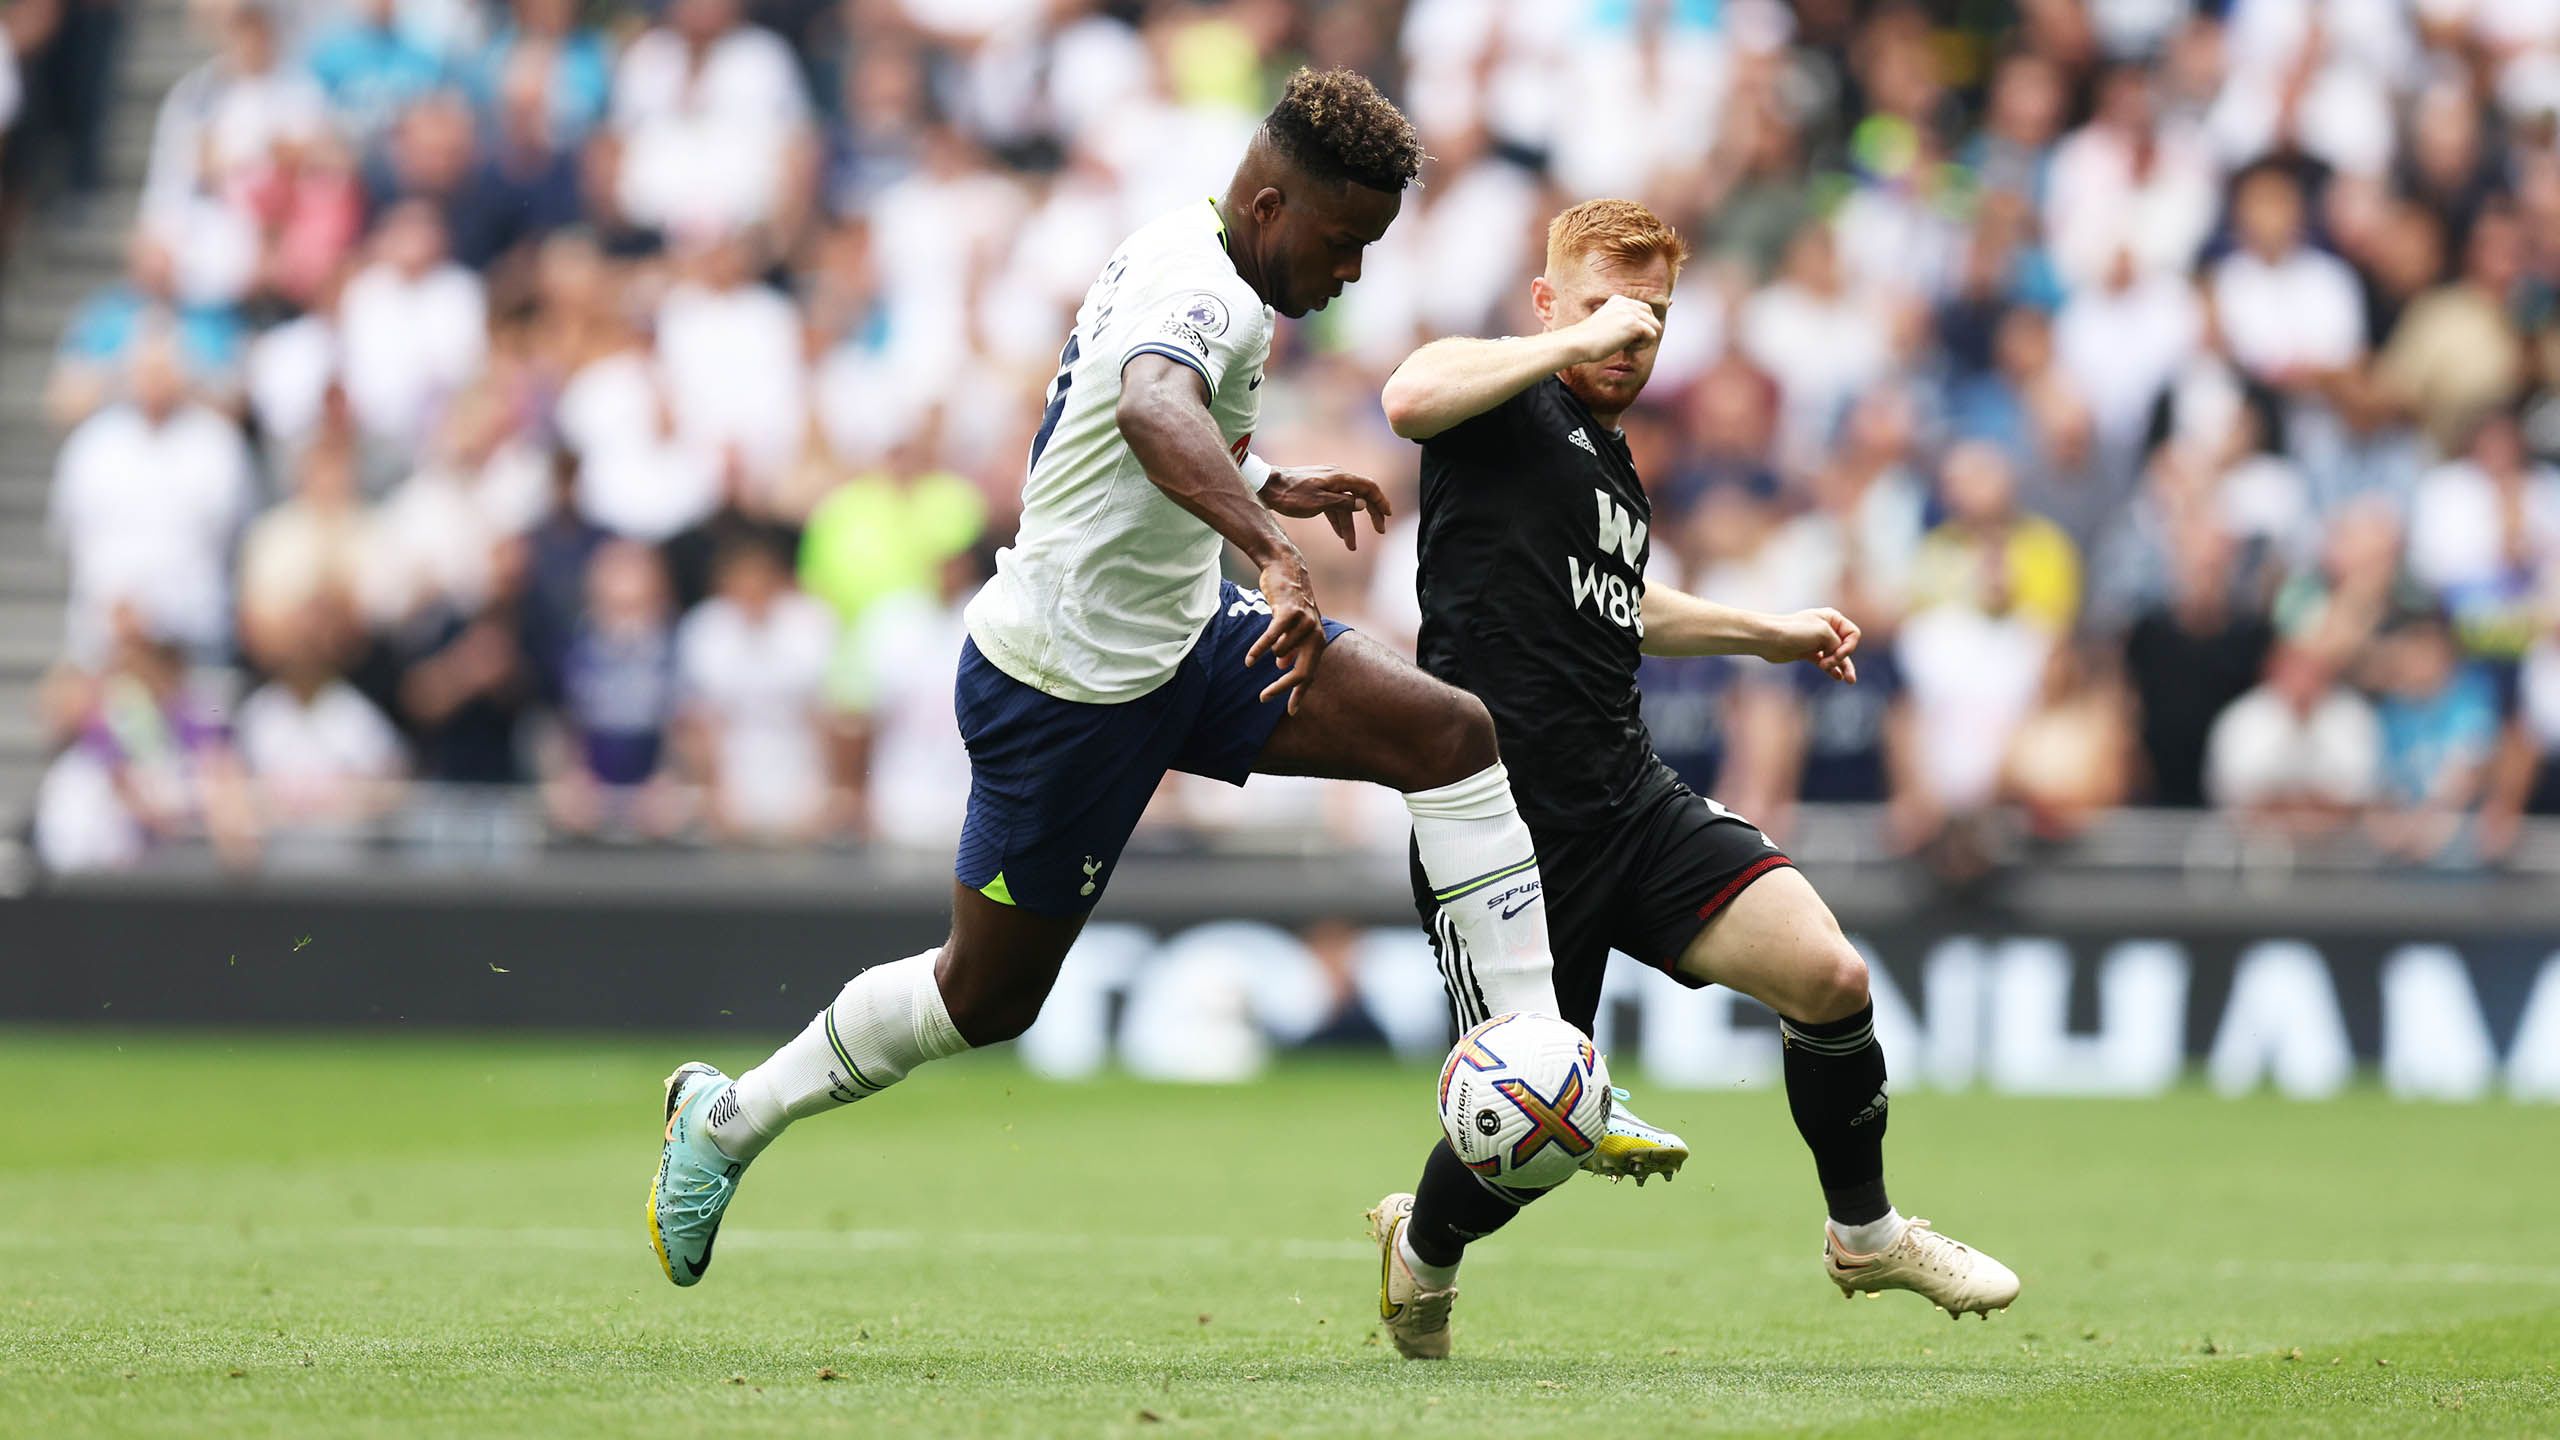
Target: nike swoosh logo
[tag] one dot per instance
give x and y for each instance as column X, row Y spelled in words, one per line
column 1523, row 905
column 1256, row 383
column 696, row 1267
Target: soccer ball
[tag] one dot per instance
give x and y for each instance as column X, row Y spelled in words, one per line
column 1523, row 1098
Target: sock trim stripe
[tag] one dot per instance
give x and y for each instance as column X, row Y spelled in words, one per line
column 1445, row 944
column 1449, row 972
column 1849, row 1044
column 1440, row 958
column 1820, row 1047
column 836, row 1043
column 1468, row 887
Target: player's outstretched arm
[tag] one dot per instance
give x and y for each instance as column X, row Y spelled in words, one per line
column 1448, row 382
column 1164, row 416
column 1676, row 623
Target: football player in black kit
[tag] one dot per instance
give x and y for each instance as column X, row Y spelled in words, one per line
column 1533, row 543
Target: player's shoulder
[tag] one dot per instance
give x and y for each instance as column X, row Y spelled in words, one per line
column 1183, row 253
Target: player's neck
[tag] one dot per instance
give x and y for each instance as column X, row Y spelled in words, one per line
column 1608, row 419
column 1236, row 224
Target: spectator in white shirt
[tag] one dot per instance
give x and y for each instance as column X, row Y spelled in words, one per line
column 897, row 673
column 2123, row 339
column 483, row 485
column 2293, row 318
column 2299, row 754
column 2292, row 315
column 713, row 124
column 224, row 119
column 730, row 349
column 322, row 760
column 1857, row 540
column 2484, row 538
column 2493, row 515
column 1973, row 673
column 2314, row 76
column 290, row 374
column 637, row 475
column 752, row 662
column 1822, row 343
column 147, row 496
column 413, row 329
column 2128, row 181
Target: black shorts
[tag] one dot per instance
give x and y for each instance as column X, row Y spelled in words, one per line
column 1645, row 886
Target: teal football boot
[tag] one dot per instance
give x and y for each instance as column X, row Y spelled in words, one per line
column 695, row 1180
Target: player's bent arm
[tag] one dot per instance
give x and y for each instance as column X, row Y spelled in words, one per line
column 1448, row 382
column 1164, row 418
column 1164, row 415
column 1679, row 624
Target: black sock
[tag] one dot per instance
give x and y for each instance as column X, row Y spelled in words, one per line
column 1835, row 1089
column 1451, row 1207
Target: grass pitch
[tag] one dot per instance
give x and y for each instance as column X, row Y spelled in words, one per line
column 253, row 1236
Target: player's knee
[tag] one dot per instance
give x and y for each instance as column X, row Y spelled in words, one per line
column 987, row 1018
column 986, row 1004
column 1835, row 985
column 1466, row 742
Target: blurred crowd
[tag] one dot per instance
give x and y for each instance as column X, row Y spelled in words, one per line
column 621, row 402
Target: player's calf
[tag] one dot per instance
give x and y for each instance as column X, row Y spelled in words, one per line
column 884, row 1023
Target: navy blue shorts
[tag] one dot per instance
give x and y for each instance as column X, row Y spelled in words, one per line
column 1057, row 785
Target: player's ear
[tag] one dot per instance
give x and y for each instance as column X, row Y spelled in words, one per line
column 1267, row 204
column 1542, row 299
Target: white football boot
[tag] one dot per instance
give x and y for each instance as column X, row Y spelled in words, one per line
column 1948, row 1273
column 1417, row 1320
column 1629, row 1146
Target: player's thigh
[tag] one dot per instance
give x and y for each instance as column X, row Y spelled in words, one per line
column 999, row 964
column 1056, row 786
column 1370, row 714
column 1777, row 942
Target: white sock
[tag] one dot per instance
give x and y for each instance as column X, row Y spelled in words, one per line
column 1873, row 1238
column 885, row 1022
column 1483, row 866
column 1425, row 1274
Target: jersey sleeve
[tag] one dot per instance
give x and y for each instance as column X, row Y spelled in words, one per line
column 1213, row 326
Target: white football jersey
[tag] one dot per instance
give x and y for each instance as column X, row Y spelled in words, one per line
column 1108, row 583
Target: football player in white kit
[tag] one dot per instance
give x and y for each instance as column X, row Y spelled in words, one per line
column 1108, row 650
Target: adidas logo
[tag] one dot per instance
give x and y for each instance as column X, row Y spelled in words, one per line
column 1578, row 438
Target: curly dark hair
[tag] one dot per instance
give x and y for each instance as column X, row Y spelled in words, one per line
column 1334, row 124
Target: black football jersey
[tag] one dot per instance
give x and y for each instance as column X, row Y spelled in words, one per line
column 1533, row 543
